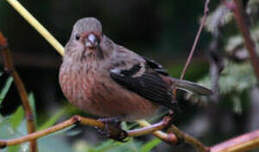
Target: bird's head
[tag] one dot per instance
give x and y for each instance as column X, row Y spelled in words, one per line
column 87, row 40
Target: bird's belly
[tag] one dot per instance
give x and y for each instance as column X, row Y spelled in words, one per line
column 110, row 100
column 104, row 97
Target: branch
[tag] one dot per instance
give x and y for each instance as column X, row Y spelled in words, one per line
column 189, row 139
column 9, row 67
column 239, row 14
column 241, row 143
column 89, row 122
column 36, row 25
column 166, row 137
column 203, row 21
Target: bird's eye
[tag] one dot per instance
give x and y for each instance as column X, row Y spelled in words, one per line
column 77, row 36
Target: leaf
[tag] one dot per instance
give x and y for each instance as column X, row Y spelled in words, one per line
column 237, row 105
column 7, row 132
column 83, row 146
column 14, row 148
column 150, row 145
column 109, row 144
column 53, row 119
column 55, row 143
column 16, row 118
column 74, row 132
column 235, row 78
column 130, row 146
column 32, row 105
column 5, row 89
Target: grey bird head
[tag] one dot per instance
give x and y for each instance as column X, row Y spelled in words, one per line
column 87, row 39
column 88, row 31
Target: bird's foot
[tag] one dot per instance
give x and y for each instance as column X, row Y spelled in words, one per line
column 113, row 129
column 168, row 119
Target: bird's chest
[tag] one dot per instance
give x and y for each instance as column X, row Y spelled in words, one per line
column 82, row 83
column 75, row 80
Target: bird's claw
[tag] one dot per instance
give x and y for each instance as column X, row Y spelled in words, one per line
column 113, row 130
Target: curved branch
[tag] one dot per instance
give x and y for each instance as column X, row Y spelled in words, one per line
column 203, row 21
column 240, row 14
column 244, row 142
column 166, row 137
column 9, row 67
column 84, row 121
column 36, row 25
column 189, row 139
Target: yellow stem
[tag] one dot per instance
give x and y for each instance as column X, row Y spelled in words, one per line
column 36, row 25
column 144, row 123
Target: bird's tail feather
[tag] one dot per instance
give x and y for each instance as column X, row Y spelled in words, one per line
column 191, row 87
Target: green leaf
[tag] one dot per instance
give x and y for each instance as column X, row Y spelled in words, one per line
column 109, row 144
column 5, row 89
column 150, row 145
column 56, row 143
column 7, row 132
column 53, row 119
column 15, row 148
column 17, row 117
column 131, row 146
column 237, row 105
column 32, row 105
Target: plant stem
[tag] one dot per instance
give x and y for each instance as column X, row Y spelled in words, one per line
column 36, row 25
column 9, row 67
column 189, row 139
column 203, row 21
column 239, row 14
column 244, row 142
column 84, row 121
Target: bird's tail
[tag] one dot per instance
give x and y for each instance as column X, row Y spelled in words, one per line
column 190, row 87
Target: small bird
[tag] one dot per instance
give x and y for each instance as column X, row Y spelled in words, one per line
column 111, row 81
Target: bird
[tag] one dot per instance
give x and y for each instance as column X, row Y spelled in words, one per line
column 108, row 80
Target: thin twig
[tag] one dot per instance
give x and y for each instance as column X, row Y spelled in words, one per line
column 195, row 142
column 84, row 121
column 166, row 137
column 36, row 25
column 244, row 142
column 9, row 67
column 239, row 14
column 203, row 21
column 189, row 139
column 38, row 134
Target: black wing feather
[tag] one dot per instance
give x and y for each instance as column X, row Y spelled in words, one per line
column 149, row 85
column 155, row 66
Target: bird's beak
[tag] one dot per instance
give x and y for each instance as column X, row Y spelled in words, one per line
column 91, row 41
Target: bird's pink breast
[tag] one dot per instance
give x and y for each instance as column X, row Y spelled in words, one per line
column 96, row 93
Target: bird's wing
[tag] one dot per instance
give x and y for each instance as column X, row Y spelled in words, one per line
column 180, row 84
column 148, row 85
column 156, row 66
column 143, row 80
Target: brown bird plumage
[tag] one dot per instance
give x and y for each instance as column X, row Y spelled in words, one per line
column 108, row 80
